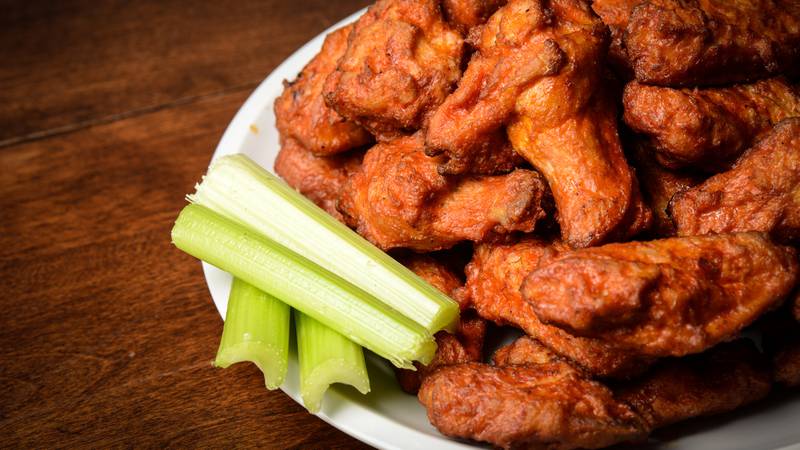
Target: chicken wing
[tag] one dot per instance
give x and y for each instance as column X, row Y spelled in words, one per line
column 706, row 42
column 465, row 345
column 465, row 14
column 401, row 61
column 399, row 199
column 527, row 406
column 787, row 365
column 669, row 297
column 659, row 185
column 707, row 128
column 319, row 178
column 301, row 112
column 537, row 69
column 615, row 14
column 721, row 380
column 494, row 278
column 760, row 193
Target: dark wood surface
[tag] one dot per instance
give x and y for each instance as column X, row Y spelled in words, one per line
column 109, row 112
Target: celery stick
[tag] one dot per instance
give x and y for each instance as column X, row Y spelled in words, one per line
column 326, row 357
column 256, row 330
column 240, row 189
column 302, row 284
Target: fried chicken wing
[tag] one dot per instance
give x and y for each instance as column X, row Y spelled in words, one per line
column 526, row 350
column 466, row 345
column 319, row 178
column 721, row 380
column 538, row 69
column 615, row 14
column 401, row 61
column 669, row 297
column 787, row 365
column 659, row 185
column 301, row 112
column 760, row 193
column 494, row 278
column 707, row 128
column 465, row 14
column 706, row 42
column 399, row 199
column 527, row 406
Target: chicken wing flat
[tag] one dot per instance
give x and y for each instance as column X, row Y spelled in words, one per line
column 319, row 178
column 401, row 61
column 466, row 345
column 537, row 68
column 301, row 112
column 526, row 350
column 760, row 193
column 707, row 128
column 399, row 199
column 527, row 406
column 494, row 278
column 706, row 42
column 725, row 378
column 466, row 14
column 669, row 297
column 659, row 185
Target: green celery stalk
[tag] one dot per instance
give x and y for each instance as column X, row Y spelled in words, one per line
column 302, row 284
column 256, row 330
column 326, row 357
column 240, row 189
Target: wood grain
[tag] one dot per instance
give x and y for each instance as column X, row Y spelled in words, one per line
column 77, row 62
column 108, row 332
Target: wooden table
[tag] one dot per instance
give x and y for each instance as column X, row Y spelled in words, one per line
column 109, row 112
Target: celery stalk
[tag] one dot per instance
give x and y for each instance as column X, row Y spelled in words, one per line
column 326, row 357
column 302, row 284
column 256, row 330
column 240, row 189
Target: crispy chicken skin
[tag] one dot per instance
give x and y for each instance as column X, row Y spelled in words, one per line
column 401, row 61
column 659, row 185
column 301, row 112
column 537, row 400
column 708, row 42
column 510, row 55
column 465, row 345
column 494, row 278
column 723, row 379
column 760, row 193
column 527, row 406
column 527, row 350
column 465, row 14
column 320, row 178
column 538, row 69
column 615, row 14
column 707, row 128
column 399, row 199
column 669, row 297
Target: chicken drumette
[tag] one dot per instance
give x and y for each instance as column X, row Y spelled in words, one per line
column 401, row 61
column 538, row 69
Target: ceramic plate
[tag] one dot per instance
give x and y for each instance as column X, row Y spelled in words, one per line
column 390, row 419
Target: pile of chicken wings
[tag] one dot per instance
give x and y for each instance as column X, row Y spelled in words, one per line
column 619, row 179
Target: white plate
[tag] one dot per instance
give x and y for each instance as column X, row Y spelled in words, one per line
column 390, row 419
